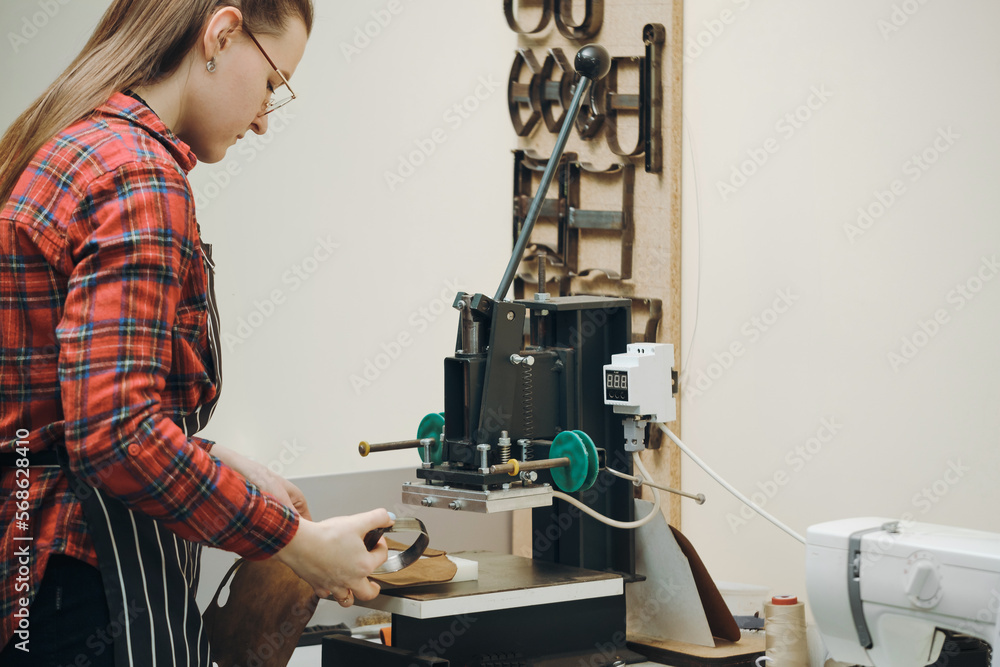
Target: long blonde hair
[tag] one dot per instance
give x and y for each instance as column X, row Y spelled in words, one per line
column 137, row 43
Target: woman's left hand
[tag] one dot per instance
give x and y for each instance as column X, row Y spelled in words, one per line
column 266, row 481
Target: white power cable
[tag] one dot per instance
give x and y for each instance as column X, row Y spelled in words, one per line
column 613, row 522
column 728, row 487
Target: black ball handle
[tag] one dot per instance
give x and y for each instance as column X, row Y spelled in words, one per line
column 593, row 61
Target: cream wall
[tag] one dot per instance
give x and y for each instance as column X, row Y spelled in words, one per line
column 814, row 416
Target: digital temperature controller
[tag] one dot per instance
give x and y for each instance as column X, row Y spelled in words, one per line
column 616, row 385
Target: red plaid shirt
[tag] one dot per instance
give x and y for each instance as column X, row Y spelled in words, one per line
column 104, row 347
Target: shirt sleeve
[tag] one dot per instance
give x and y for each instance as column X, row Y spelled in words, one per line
column 132, row 246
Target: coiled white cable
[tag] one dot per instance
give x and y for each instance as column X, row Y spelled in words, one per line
column 728, row 487
column 614, row 523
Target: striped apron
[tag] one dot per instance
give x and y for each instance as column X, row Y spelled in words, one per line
column 150, row 574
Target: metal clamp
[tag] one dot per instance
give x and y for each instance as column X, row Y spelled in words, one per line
column 563, row 10
column 399, row 560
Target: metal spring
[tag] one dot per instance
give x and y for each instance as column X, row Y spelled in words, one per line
column 527, row 401
column 527, row 450
column 505, row 452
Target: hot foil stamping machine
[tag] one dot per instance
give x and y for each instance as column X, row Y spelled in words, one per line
column 521, row 420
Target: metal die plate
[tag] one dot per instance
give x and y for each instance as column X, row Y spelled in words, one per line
column 472, row 500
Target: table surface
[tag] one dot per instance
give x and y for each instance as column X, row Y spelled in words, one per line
column 503, row 573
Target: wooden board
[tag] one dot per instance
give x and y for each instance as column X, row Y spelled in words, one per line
column 679, row 654
column 657, row 196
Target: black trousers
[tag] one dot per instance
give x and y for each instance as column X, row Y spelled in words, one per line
column 70, row 622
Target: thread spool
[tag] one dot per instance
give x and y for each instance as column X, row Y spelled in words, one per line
column 785, row 632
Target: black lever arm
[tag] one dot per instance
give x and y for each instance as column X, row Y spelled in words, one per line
column 592, row 63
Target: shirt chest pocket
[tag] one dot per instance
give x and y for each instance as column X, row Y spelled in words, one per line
column 192, row 353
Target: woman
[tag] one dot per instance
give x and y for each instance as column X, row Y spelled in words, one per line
column 108, row 365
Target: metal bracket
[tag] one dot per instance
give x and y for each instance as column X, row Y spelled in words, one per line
column 508, row 12
column 649, row 333
column 647, row 103
column 566, row 212
column 578, row 218
column 611, row 102
column 553, row 91
column 526, row 165
column 471, row 500
column 654, row 36
column 519, row 94
column 588, row 28
column 601, row 109
column 593, row 19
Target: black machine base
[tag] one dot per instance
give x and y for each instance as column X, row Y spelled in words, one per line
column 563, row 634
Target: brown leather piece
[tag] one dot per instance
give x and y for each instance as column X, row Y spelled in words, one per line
column 433, row 568
column 267, row 609
column 720, row 619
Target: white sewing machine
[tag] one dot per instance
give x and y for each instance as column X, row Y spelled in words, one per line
column 881, row 590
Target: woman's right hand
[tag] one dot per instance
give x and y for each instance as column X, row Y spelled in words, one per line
column 331, row 556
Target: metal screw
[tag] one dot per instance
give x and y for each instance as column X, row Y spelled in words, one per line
column 455, row 505
column 484, row 457
column 510, row 315
column 427, row 502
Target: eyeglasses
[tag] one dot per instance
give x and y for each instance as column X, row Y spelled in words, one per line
column 281, row 95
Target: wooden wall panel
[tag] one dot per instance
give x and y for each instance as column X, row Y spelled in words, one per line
column 657, row 203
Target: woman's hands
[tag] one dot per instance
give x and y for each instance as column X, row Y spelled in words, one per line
column 331, row 556
column 261, row 476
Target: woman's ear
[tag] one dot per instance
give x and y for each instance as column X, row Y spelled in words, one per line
column 218, row 34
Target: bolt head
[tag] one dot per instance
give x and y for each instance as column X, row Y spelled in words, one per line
column 510, row 315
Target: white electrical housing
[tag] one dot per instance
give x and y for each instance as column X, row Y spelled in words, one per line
column 640, row 382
